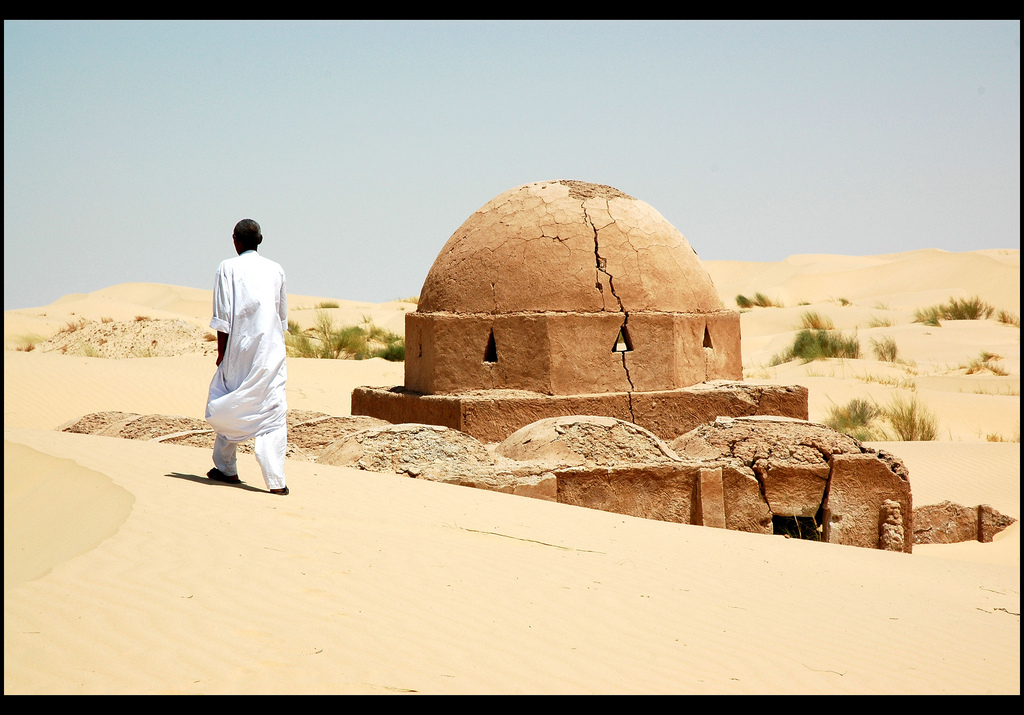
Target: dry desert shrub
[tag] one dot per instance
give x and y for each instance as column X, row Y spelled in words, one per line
column 328, row 304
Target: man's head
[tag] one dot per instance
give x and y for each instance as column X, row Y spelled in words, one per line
column 247, row 235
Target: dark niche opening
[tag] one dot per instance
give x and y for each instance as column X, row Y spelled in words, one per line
column 707, row 339
column 491, row 351
column 623, row 343
column 799, row 527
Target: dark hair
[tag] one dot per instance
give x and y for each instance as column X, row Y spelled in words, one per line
column 248, row 233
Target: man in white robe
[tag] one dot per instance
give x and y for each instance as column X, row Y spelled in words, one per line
column 247, row 394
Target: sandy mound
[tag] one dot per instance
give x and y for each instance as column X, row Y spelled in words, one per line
column 54, row 510
column 585, row 440
column 142, row 337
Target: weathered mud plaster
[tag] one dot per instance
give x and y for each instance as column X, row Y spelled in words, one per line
column 527, row 302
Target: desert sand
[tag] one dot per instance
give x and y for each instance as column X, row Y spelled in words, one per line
column 127, row 571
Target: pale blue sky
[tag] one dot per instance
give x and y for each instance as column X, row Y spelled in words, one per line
column 132, row 148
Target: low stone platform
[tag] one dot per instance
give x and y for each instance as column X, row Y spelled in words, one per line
column 492, row 415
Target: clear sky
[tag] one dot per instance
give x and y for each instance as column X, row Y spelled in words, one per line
column 132, row 148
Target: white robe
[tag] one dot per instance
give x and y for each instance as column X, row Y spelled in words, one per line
column 247, row 394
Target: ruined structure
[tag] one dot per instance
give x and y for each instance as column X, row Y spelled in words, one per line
column 765, row 475
column 804, row 476
column 560, row 298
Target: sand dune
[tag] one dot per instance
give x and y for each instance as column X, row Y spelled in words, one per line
column 126, row 571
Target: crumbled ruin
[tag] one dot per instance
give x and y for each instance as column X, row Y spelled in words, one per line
column 566, row 298
column 950, row 523
column 810, row 478
column 760, row 475
column 309, row 432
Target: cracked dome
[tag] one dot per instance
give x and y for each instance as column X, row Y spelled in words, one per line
column 568, row 288
column 567, row 246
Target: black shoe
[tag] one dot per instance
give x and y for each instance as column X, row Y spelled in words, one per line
column 219, row 476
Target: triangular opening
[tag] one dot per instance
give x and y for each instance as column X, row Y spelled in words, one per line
column 707, row 339
column 491, row 351
column 622, row 343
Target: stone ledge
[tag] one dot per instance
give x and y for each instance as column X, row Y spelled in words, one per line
column 492, row 415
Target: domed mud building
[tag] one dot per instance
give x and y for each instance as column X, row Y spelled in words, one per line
column 560, row 298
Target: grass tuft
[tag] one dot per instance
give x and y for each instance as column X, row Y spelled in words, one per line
column 1007, row 318
column 911, row 420
column 968, row 309
column 885, row 350
column 73, row 325
column 760, row 300
column 877, row 322
column 984, row 361
column 353, row 342
column 812, row 320
column 906, row 420
column 856, row 418
column 973, row 308
column 328, row 304
column 929, row 316
column 810, row 345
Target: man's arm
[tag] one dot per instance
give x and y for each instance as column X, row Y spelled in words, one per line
column 222, row 345
column 223, row 309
